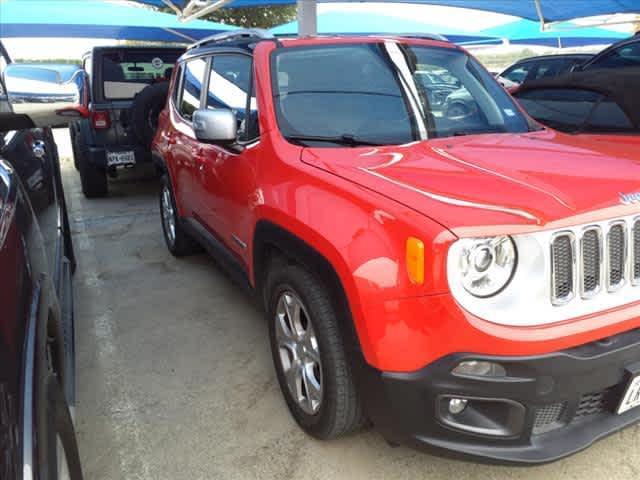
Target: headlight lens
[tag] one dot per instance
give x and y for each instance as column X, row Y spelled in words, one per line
column 487, row 264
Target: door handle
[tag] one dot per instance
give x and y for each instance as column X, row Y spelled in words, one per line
column 171, row 140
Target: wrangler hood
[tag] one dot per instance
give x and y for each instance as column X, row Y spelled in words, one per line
column 520, row 181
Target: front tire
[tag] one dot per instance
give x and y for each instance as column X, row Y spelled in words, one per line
column 309, row 356
column 178, row 241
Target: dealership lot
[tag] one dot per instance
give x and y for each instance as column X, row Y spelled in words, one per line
column 175, row 378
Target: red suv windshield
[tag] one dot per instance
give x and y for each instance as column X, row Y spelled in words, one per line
column 376, row 93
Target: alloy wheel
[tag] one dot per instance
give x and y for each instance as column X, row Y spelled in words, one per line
column 298, row 352
column 168, row 215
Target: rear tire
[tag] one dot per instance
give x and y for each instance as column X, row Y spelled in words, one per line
column 73, row 134
column 92, row 178
column 322, row 395
column 61, row 459
column 178, row 241
column 55, row 438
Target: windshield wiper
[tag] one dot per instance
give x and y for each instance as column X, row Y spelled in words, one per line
column 346, row 140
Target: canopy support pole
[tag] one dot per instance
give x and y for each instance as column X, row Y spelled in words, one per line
column 543, row 23
column 307, row 18
column 172, row 6
column 189, row 14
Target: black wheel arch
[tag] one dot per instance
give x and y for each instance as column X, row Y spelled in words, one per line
column 274, row 243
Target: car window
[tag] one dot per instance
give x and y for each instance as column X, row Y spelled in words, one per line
column 127, row 72
column 607, row 116
column 571, row 110
column 624, row 56
column 229, row 84
column 549, row 68
column 191, row 88
column 518, row 73
column 378, row 97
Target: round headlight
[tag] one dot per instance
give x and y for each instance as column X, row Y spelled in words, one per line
column 487, row 264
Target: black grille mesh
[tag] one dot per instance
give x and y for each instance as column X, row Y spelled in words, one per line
column 616, row 254
column 591, row 261
column 562, row 267
column 548, row 417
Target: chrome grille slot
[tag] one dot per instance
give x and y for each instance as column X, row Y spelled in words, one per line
column 591, row 261
column 616, row 256
column 635, row 252
column 563, row 267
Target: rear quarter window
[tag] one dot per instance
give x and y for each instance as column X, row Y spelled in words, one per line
column 575, row 110
column 191, row 87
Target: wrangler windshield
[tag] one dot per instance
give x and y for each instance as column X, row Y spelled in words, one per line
column 377, row 94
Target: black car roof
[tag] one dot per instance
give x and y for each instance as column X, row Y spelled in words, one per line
column 584, row 56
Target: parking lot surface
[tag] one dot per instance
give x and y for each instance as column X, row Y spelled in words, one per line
column 175, row 379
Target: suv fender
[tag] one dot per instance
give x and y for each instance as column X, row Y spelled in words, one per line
column 274, row 243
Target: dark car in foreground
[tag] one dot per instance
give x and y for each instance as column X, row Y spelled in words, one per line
column 37, row 354
column 128, row 89
column 595, row 102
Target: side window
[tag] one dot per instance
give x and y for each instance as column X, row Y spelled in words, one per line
column 625, row 56
column 607, row 116
column 177, row 86
column 560, row 108
column 230, row 80
column 549, row 68
column 518, row 73
column 191, row 88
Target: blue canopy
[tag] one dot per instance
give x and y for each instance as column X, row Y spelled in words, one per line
column 97, row 19
column 550, row 10
column 527, row 32
column 337, row 22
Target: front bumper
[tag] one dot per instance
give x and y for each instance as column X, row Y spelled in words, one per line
column 557, row 403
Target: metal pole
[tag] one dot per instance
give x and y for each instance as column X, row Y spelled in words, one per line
column 307, row 17
column 543, row 23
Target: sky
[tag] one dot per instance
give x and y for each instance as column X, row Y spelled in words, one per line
column 472, row 20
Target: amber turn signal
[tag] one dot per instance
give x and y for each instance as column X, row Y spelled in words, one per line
column 415, row 260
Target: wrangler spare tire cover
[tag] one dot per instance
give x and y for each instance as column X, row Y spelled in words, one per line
column 146, row 107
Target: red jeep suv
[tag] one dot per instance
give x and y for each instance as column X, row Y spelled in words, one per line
column 468, row 282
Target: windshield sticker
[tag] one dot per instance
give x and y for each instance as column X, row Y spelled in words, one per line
column 157, row 63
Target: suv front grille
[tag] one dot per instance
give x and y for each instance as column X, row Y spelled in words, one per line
column 598, row 261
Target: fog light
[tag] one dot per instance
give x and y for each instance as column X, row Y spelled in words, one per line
column 475, row 368
column 457, row 405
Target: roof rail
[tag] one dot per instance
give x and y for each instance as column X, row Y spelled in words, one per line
column 423, row 36
column 245, row 33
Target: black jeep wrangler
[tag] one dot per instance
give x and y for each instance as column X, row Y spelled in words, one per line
column 128, row 90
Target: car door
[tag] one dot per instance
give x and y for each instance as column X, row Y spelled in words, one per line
column 185, row 148
column 228, row 174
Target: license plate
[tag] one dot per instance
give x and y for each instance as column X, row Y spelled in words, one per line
column 631, row 397
column 120, row 158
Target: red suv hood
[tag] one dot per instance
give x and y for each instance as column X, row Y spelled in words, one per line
column 490, row 182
